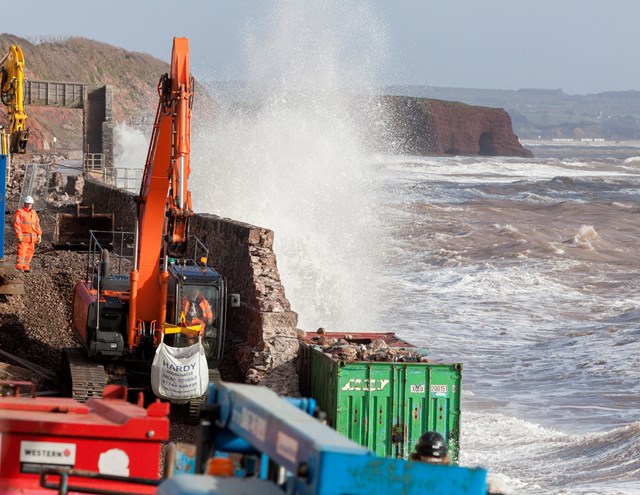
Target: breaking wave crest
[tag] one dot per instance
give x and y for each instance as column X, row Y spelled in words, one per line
column 583, row 460
column 585, row 238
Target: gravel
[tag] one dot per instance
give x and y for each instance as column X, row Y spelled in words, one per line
column 36, row 326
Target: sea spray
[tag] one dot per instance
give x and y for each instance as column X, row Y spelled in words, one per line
column 293, row 156
column 130, row 145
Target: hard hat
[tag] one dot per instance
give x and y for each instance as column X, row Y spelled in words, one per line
column 431, row 444
column 28, row 199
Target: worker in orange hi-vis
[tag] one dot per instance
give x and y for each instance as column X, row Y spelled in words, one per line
column 26, row 225
column 196, row 308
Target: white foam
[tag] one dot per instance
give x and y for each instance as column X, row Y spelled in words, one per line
column 130, row 147
column 585, row 238
column 499, row 170
column 515, row 450
column 297, row 164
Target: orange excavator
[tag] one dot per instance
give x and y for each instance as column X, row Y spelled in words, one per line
column 121, row 317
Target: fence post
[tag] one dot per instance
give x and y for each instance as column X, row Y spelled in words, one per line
column 3, row 199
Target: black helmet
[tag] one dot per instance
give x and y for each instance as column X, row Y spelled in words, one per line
column 431, row 444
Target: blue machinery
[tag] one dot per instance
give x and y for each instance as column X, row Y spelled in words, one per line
column 317, row 459
column 4, row 156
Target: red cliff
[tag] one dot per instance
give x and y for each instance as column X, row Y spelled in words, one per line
column 423, row 126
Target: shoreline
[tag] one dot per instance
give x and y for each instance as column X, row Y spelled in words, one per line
column 578, row 143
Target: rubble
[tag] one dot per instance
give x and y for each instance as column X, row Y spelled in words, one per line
column 35, row 326
column 350, row 349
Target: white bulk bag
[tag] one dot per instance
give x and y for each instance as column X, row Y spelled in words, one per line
column 179, row 373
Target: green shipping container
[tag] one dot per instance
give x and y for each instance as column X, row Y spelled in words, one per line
column 384, row 406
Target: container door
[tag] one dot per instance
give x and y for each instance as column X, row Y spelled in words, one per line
column 433, row 404
column 445, row 393
column 416, row 408
column 365, row 404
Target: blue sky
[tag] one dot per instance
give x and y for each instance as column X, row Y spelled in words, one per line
column 580, row 46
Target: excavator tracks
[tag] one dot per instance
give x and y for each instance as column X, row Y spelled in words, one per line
column 82, row 379
column 192, row 412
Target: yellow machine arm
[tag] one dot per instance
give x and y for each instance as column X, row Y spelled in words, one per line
column 12, row 94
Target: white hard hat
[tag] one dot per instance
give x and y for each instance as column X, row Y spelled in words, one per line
column 28, row 199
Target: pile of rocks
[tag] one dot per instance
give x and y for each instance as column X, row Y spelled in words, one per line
column 346, row 348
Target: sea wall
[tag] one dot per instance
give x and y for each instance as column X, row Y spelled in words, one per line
column 426, row 127
column 261, row 341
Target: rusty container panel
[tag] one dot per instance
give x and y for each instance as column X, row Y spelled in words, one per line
column 384, row 406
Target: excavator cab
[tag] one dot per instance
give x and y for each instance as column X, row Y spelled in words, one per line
column 196, row 296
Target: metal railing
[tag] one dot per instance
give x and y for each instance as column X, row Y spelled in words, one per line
column 93, row 161
column 36, row 183
column 120, row 246
column 121, row 258
column 125, row 178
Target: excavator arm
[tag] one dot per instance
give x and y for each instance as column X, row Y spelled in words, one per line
column 168, row 160
column 12, row 94
column 164, row 203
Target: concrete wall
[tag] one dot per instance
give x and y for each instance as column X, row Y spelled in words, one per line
column 98, row 111
column 261, row 339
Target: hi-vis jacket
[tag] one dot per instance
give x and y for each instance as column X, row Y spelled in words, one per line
column 26, row 224
column 196, row 310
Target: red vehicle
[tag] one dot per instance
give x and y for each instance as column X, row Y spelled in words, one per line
column 107, row 437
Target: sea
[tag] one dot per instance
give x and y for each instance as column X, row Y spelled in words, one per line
column 526, row 270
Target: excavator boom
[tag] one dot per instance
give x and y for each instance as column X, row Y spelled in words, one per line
column 12, row 94
column 164, row 203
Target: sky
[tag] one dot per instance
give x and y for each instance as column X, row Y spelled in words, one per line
column 579, row 46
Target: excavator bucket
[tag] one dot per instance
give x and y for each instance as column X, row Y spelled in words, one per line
column 19, row 141
column 72, row 230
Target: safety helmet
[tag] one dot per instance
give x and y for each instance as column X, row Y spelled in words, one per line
column 28, row 199
column 431, row 444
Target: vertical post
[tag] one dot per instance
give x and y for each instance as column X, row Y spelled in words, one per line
column 3, row 199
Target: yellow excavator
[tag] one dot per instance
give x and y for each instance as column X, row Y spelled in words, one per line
column 12, row 84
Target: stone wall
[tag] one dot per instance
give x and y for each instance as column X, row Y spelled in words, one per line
column 261, row 340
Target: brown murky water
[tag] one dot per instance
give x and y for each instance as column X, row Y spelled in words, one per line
column 528, row 272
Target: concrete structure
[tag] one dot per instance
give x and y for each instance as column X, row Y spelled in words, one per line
column 96, row 102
